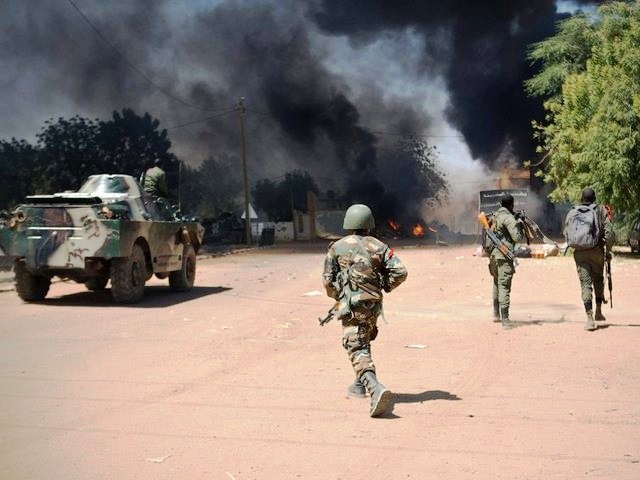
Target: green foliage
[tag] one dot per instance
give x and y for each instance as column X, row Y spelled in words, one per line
column 19, row 160
column 277, row 199
column 129, row 141
column 212, row 188
column 68, row 151
column 592, row 131
column 561, row 55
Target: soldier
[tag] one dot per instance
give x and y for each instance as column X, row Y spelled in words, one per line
column 510, row 230
column 154, row 180
column 356, row 270
column 588, row 230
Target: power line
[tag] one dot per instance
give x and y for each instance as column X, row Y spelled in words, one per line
column 132, row 65
column 193, row 122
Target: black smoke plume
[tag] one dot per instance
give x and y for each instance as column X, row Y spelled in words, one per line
column 182, row 63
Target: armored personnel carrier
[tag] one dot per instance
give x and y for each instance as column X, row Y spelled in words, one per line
column 110, row 229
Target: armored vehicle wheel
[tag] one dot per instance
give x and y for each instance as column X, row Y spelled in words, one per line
column 128, row 276
column 182, row 280
column 30, row 287
column 96, row 284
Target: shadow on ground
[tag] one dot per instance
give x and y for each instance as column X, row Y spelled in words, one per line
column 426, row 396
column 154, row 297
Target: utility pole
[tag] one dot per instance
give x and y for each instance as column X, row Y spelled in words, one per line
column 180, row 186
column 243, row 150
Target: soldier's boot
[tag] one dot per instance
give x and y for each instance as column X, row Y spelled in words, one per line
column 591, row 325
column 599, row 317
column 506, row 323
column 496, row 311
column 380, row 396
column 356, row 389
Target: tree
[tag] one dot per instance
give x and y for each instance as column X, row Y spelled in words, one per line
column 70, row 150
column 591, row 134
column 564, row 54
column 278, row 198
column 68, row 154
column 129, row 141
column 19, row 162
column 212, row 188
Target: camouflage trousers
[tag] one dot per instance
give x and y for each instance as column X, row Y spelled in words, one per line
column 357, row 334
column 590, row 267
column 502, row 272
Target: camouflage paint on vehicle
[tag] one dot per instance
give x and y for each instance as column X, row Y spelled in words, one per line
column 66, row 234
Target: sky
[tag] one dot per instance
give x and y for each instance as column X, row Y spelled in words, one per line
column 330, row 85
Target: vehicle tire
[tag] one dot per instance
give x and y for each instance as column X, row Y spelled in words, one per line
column 182, row 280
column 96, row 284
column 128, row 276
column 30, row 287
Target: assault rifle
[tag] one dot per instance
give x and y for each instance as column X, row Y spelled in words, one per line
column 500, row 245
column 329, row 315
column 531, row 229
column 607, row 256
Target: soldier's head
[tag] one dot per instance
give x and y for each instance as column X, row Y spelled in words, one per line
column 358, row 217
column 507, row 201
column 588, row 196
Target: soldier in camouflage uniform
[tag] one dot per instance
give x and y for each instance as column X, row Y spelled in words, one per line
column 590, row 262
column 510, row 230
column 154, row 180
column 357, row 269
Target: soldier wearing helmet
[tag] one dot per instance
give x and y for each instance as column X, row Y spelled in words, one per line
column 357, row 269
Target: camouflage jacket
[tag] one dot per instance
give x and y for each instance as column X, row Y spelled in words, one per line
column 154, row 182
column 341, row 280
column 508, row 230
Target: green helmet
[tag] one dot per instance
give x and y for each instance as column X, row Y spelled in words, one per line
column 358, row 217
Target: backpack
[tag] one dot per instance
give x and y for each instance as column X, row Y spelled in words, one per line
column 360, row 284
column 583, row 227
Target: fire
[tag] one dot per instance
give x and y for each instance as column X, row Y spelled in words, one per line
column 417, row 230
column 395, row 226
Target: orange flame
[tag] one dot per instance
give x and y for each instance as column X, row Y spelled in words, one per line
column 395, row 226
column 417, row 230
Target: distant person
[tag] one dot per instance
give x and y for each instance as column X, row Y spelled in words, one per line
column 357, row 269
column 588, row 231
column 510, row 231
column 154, row 179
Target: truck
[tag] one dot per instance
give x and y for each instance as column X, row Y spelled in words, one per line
column 109, row 230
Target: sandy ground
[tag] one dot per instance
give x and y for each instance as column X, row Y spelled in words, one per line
column 236, row 380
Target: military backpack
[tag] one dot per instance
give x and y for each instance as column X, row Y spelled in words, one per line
column 583, row 227
column 360, row 284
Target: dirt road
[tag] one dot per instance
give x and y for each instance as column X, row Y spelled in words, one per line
column 236, row 380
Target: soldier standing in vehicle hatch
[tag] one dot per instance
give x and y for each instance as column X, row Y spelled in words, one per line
column 154, row 179
column 510, row 230
column 357, row 269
